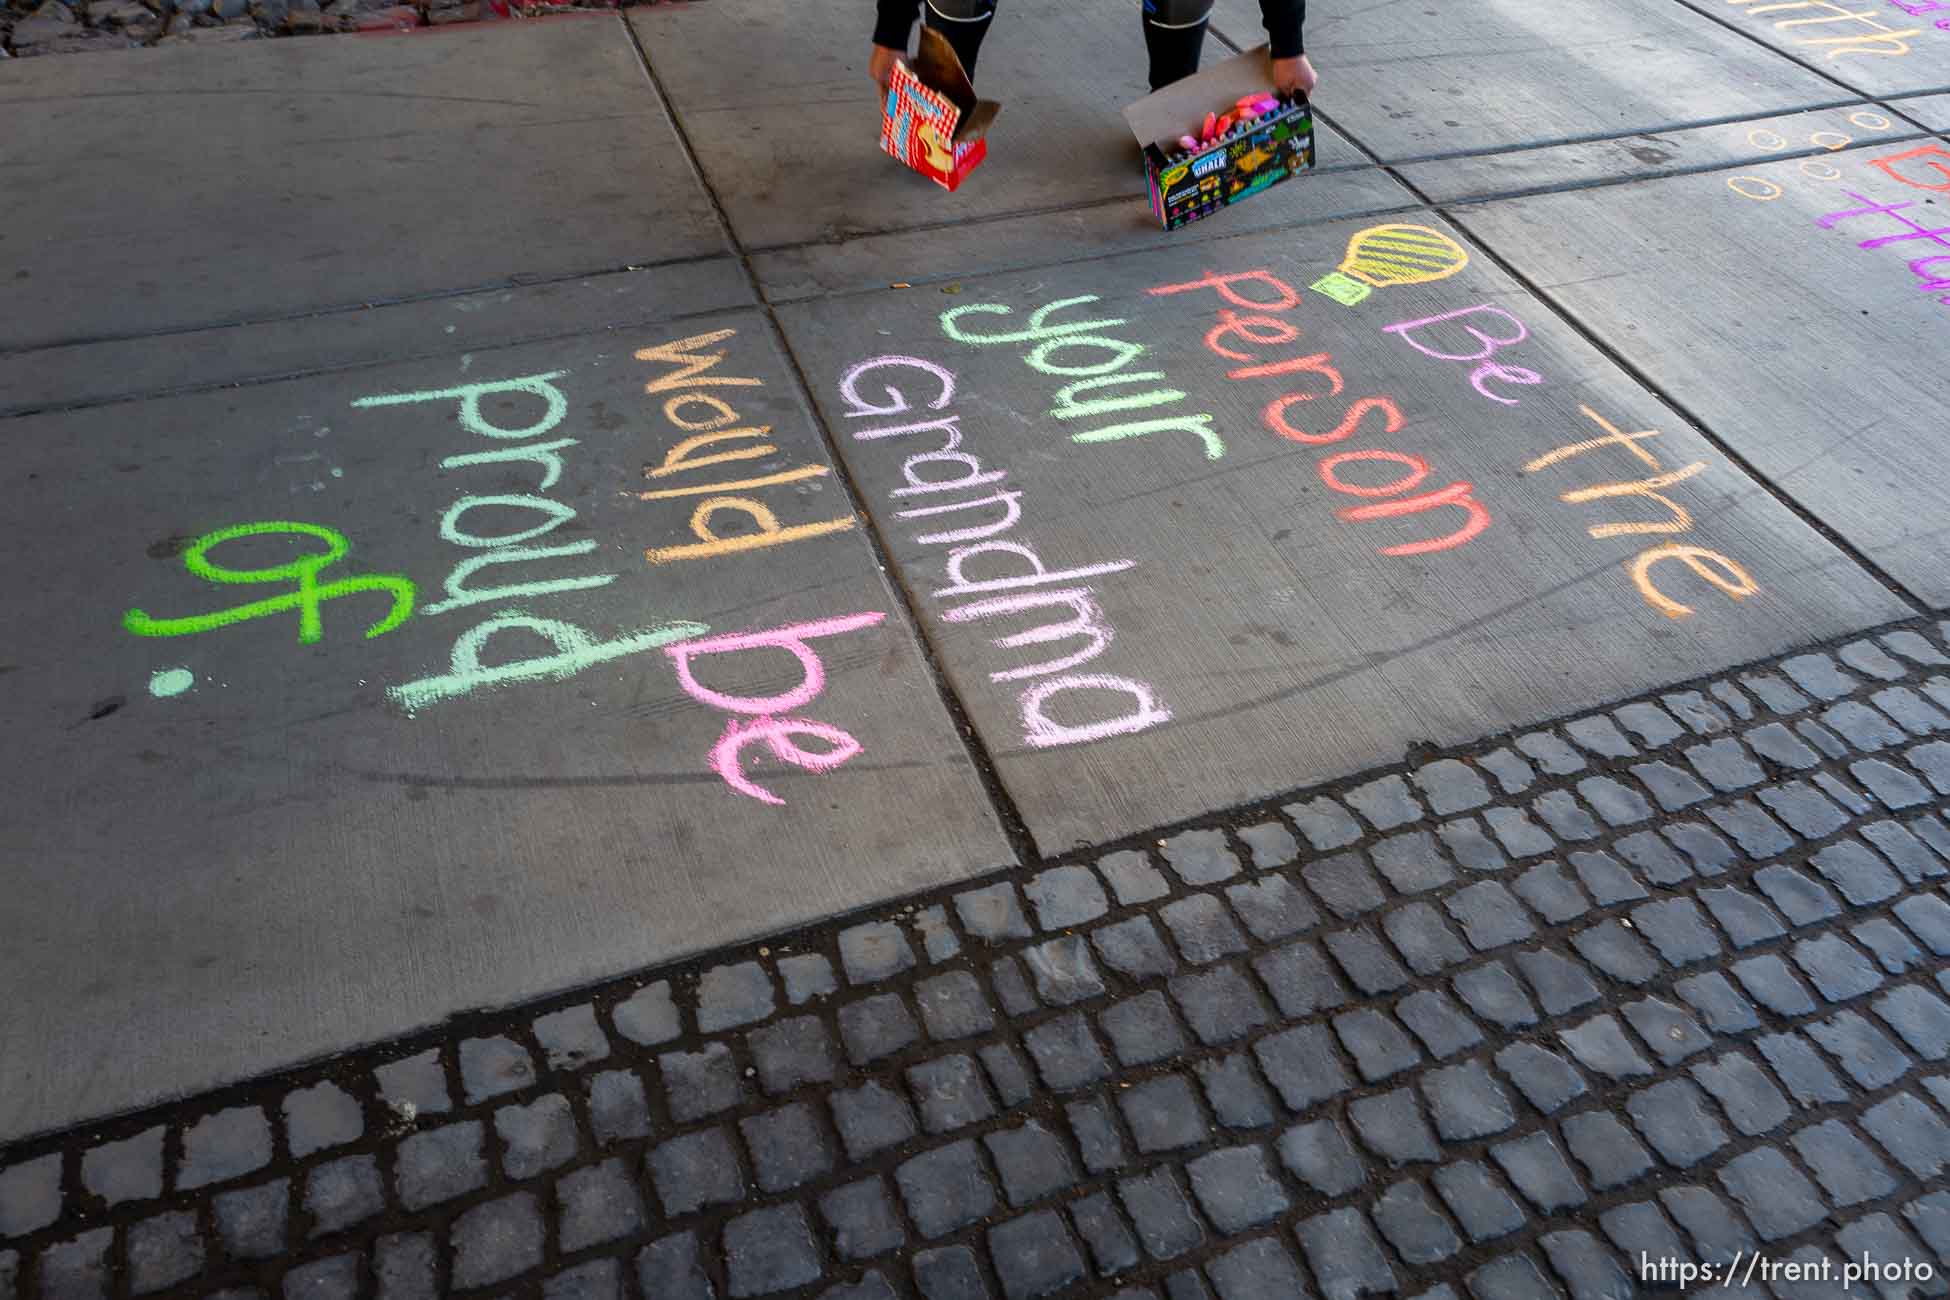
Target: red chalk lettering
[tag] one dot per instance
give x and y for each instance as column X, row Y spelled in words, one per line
column 1271, row 330
column 1933, row 152
column 1317, row 364
column 1275, row 417
column 1456, row 494
column 1418, row 469
column 1284, row 298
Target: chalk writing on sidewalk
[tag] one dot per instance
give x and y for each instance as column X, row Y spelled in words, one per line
column 1226, row 339
column 304, row 571
column 709, row 421
column 1923, row 268
column 1487, row 346
column 767, row 716
column 972, row 529
column 1762, row 190
column 570, row 648
column 1711, row 566
column 1049, row 352
column 1811, row 23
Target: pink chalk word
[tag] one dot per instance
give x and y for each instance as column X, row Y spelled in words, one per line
column 765, row 727
column 1489, row 343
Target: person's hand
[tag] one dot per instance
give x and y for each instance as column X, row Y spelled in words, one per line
column 1294, row 76
column 881, row 66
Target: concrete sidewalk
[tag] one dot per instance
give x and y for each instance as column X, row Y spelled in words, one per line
column 536, row 504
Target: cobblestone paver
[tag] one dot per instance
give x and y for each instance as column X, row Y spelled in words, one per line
column 1666, row 983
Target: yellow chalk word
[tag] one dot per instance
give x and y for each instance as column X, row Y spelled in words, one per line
column 303, row 571
column 1715, row 568
column 1878, row 41
column 716, row 437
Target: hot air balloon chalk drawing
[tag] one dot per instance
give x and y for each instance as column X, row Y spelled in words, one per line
column 1382, row 257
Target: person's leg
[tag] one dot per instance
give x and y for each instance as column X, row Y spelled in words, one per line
column 964, row 23
column 1174, row 32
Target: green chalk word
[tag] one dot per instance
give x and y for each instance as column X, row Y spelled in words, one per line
column 575, row 650
column 304, row 571
column 1081, row 350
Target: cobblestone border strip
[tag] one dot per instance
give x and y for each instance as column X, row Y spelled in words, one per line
column 1668, row 981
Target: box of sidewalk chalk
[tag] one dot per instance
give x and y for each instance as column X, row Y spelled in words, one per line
column 1219, row 136
column 931, row 119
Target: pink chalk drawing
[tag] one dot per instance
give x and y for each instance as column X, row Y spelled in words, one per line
column 765, row 726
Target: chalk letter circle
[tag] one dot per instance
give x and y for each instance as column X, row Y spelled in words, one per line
column 1817, row 170
column 450, row 529
column 1418, row 470
column 1767, row 141
column 1769, row 191
column 1869, row 121
column 194, row 558
column 1822, row 138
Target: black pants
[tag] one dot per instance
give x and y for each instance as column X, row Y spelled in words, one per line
column 1174, row 33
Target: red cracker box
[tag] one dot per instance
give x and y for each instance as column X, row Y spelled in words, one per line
column 1188, row 184
column 931, row 119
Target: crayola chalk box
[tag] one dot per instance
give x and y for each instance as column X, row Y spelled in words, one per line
column 931, row 119
column 1188, row 184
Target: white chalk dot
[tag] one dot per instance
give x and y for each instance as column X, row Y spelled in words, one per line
column 171, row 681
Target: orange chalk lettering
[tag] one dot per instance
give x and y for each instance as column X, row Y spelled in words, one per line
column 1737, row 583
column 723, row 412
column 769, row 532
column 679, row 458
column 737, row 485
column 1629, row 441
column 693, row 369
column 1647, row 488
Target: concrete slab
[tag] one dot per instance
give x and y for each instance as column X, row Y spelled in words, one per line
column 1302, row 606
column 1427, row 80
column 1664, row 153
column 1932, row 111
column 1811, row 356
column 273, row 849
column 1878, row 49
column 1118, row 226
column 38, row 378
column 379, row 169
column 794, row 156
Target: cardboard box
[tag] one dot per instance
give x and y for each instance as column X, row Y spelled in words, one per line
column 931, row 119
column 1200, row 183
